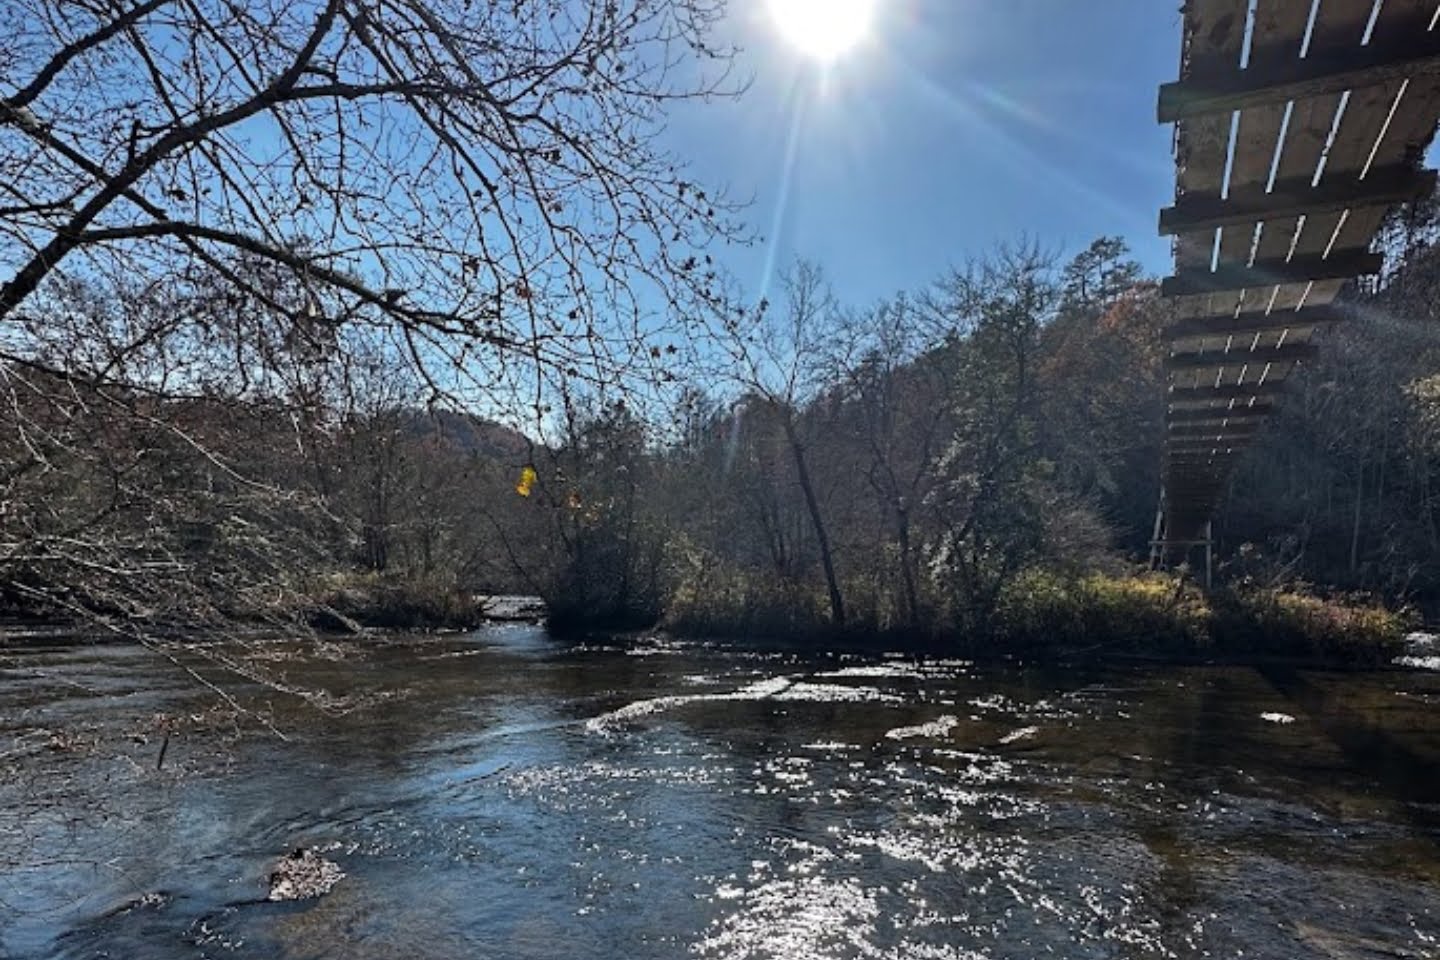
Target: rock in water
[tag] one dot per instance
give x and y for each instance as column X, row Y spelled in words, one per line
column 303, row 875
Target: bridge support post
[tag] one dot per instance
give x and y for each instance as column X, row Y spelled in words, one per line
column 1160, row 545
column 1157, row 542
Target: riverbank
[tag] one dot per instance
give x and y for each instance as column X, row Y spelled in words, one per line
column 1147, row 615
column 353, row 603
column 1155, row 617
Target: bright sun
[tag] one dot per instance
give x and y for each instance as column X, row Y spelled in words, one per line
column 823, row 29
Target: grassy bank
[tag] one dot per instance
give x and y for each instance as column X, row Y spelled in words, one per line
column 349, row 602
column 1140, row 613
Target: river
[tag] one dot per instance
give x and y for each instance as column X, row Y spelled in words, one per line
column 503, row 795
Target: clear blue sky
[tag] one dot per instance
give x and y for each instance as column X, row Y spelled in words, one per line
column 958, row 124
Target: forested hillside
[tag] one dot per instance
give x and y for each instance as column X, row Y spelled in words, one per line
column 911, row 466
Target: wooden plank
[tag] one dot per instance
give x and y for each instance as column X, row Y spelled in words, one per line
column 1278, row 31
column 1210, row 453
column 1222, row 415
column 1413, row 125
column 1214, row 34
column 1310, row 123
column 1287, row 353
column 1184, row 521
column 1228, row 391
column 1202, row 445
column 1250, row 323
column 1210, row 477
column 1224, row 440
column 1219, row 438
column 1275, row 331
column 1278, row 24
column 1339, row 25
column 1198, row 473
column 1294, row 198
column 1403, row 131
column 1215, row 426
column 1217, row 410
column 1214, row 433
column 1340, row 265
column 1329, row 72
column 1202, row 478
column 1257, row 138
column 1230, row 380
column 1198, row 399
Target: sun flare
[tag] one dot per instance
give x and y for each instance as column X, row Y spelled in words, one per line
column 823, row 29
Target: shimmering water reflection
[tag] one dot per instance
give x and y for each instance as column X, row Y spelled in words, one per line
column 501, row 795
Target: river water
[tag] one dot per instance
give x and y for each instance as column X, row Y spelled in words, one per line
column 502, row 795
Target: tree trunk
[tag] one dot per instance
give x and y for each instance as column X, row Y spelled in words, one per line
column 1355, row 525
column 907, row 568
column 832, row 584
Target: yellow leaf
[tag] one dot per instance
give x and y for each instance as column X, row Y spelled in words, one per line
column 528, row 476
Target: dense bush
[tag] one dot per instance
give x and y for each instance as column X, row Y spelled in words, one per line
column 1142, row 612
column 345, row 602
column 715, row 599
column 1148, row 613
column 1290, row 621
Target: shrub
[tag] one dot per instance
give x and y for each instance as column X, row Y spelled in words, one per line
column 375, row 600
column 1142, row 612
column 714, row 599
column 1290, row 621
column 1039, row 609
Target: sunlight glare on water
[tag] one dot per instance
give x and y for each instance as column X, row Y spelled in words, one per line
column 512, row 797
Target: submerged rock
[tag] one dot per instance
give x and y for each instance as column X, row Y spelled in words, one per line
column 303, row 875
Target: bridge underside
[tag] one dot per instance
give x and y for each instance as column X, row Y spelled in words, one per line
column 1299, row 125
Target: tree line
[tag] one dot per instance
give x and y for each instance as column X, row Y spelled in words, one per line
column 904, row 466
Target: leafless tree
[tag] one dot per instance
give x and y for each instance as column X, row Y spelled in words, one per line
column 900, row 387
column 783, row 359
column 484, row 179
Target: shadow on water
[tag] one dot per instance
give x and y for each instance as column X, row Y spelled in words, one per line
column 1376, row 749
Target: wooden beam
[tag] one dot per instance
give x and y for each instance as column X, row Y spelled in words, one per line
column 1227, row 391
column 1288, row 353
column 1201, row 426
column 1295, row 198
column 1219, row 434
column 1250, row 323
column 1210, row 451
column 1201, row 444
column 1233, row 277
column 1181, row 477
column 1207, row 445
column 1193, row 478
column 1214, row 429
column 1205, row 439
column 1278, row 79
column 1181, row 431
column 1258, row 412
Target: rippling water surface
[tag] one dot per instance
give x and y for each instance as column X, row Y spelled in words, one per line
column 499, row 795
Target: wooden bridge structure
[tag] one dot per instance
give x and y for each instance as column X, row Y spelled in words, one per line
column 1298, row 125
